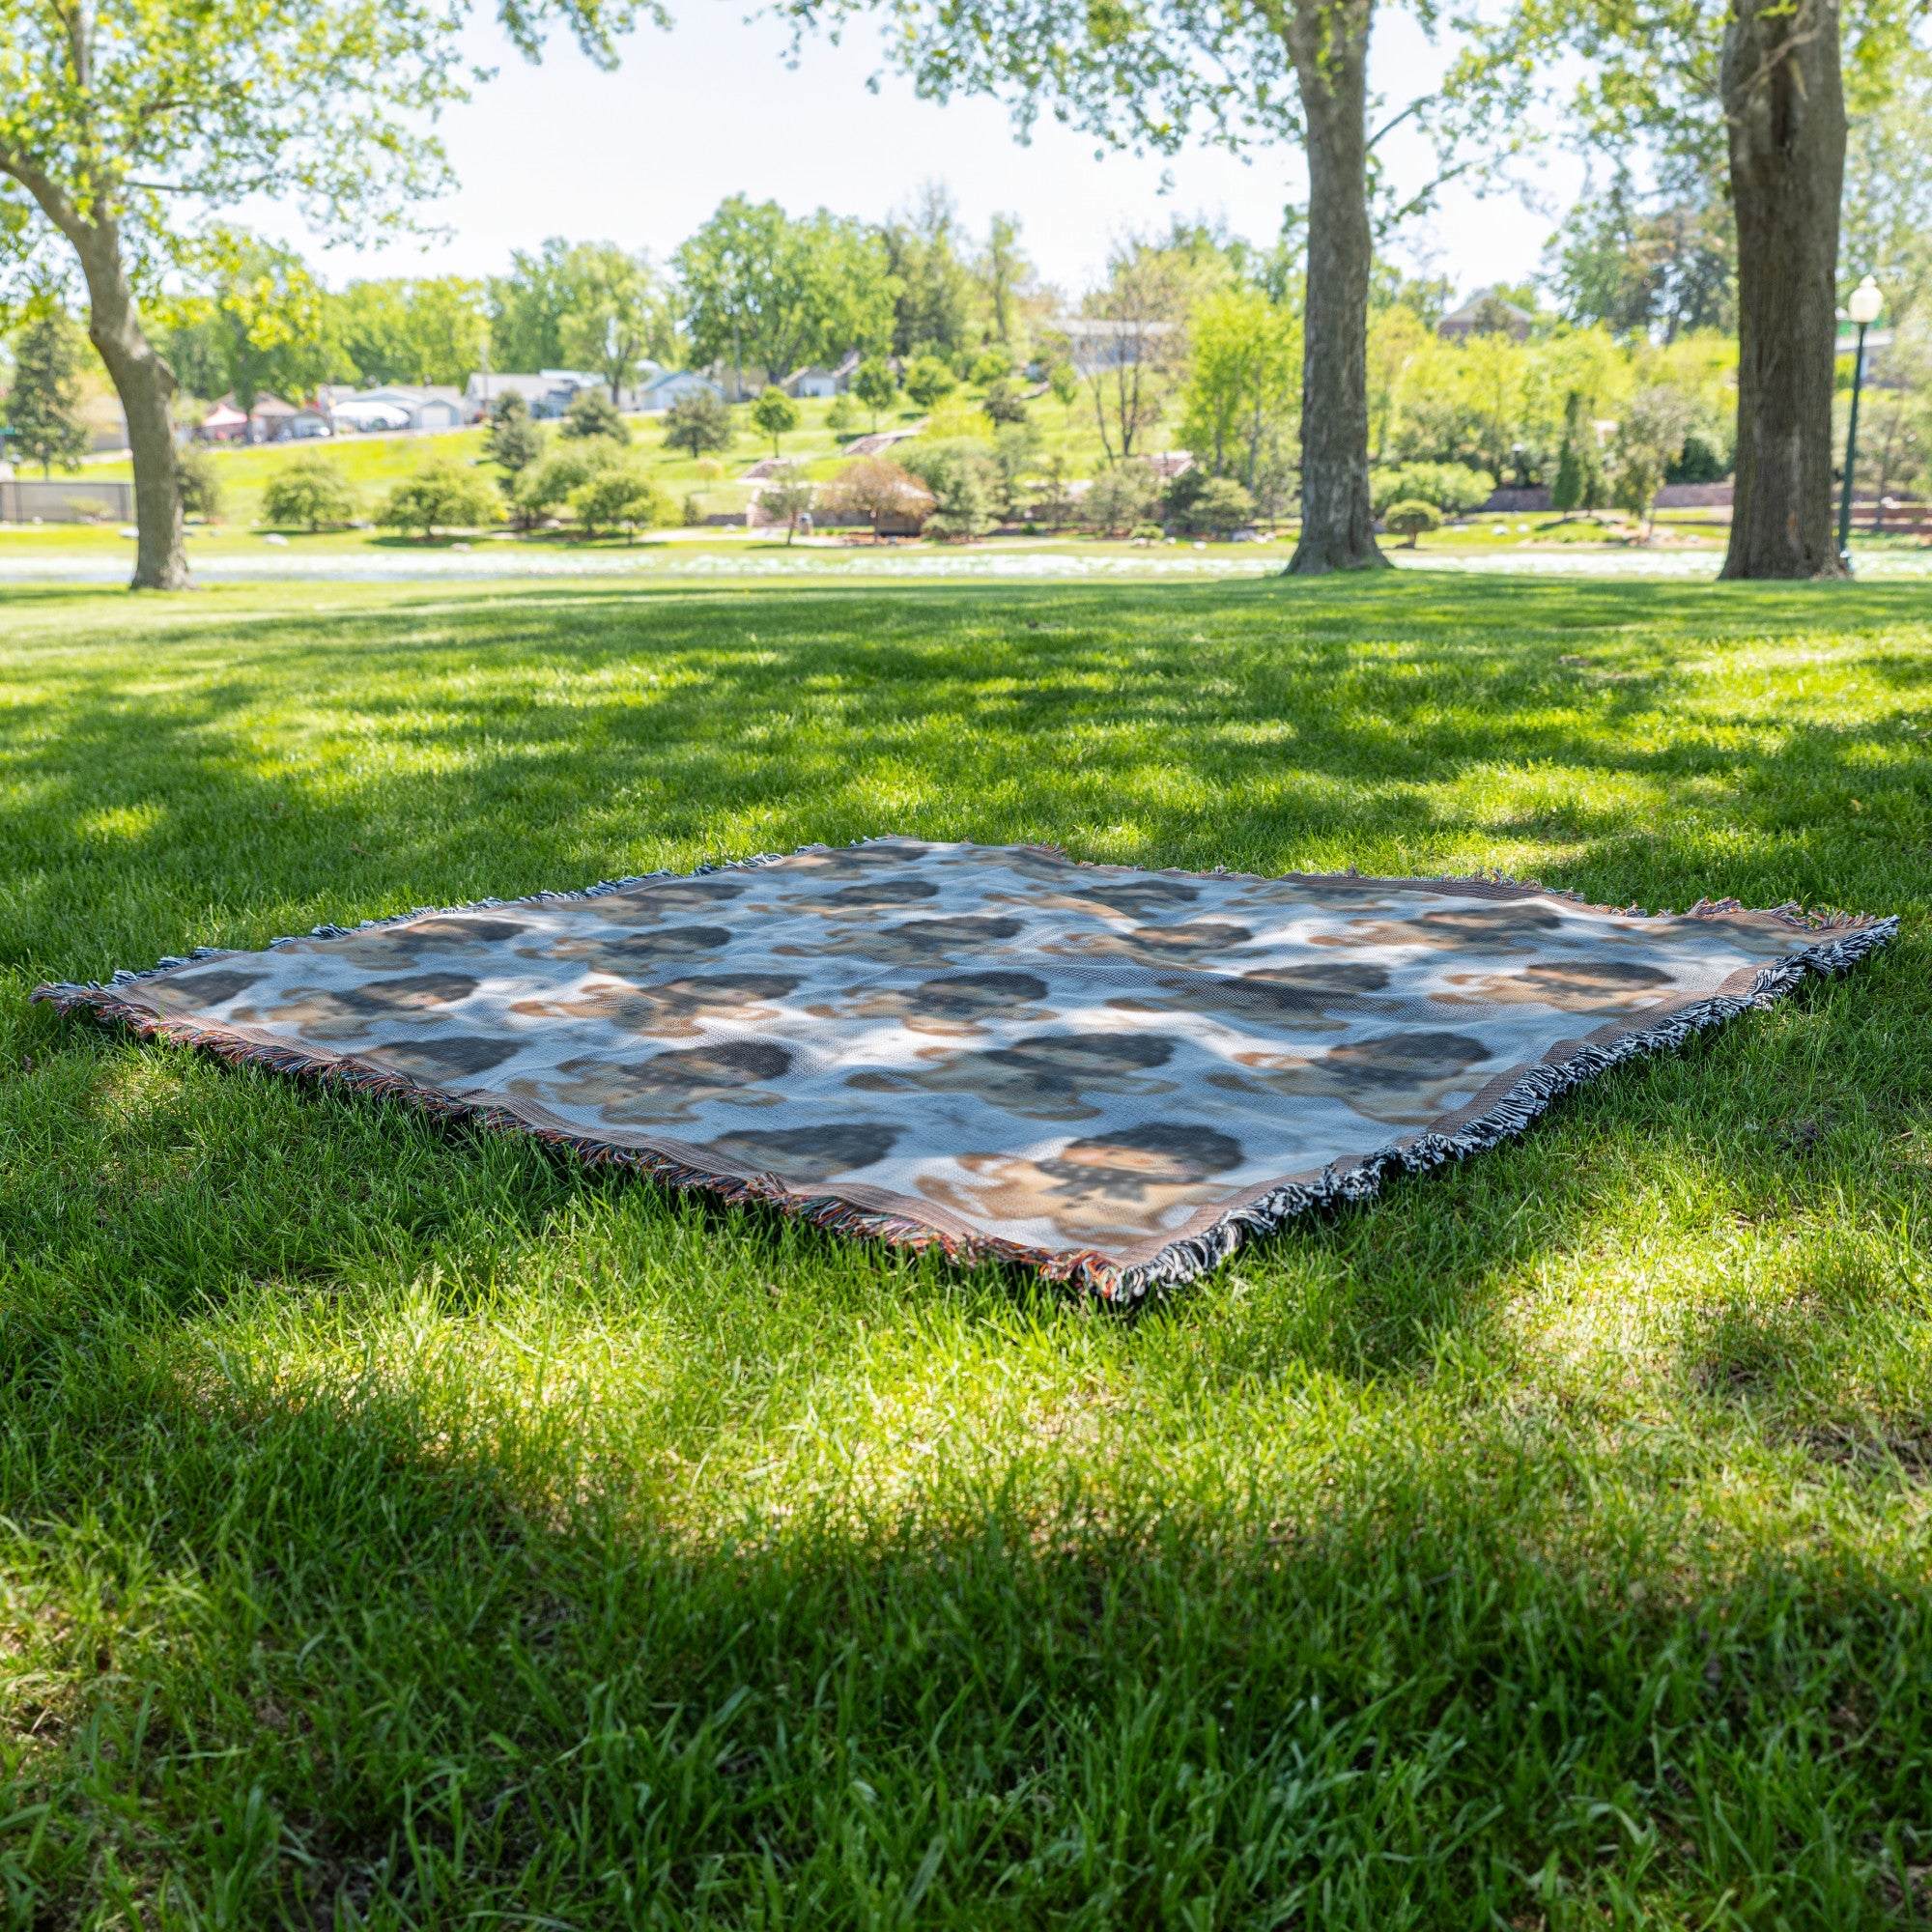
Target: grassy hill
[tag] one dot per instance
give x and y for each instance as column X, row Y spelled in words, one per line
column 374, row 464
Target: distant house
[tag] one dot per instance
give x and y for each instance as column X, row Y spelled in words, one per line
column 1486, row 313
column 423, row 406
column 673, row 385
column 367, row 416
column 265, row 421
column 102, row 416
column 546, row 393
column 271, row 417
column 1100, row 342
column 225, row 422
column 630, row 398
column 822, row 381
column 307, row 424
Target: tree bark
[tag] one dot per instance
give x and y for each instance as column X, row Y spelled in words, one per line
column 1784, row 109
column 146, row 387
column 1329, row 42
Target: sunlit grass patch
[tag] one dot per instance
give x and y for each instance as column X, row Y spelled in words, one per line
column 405, row 1525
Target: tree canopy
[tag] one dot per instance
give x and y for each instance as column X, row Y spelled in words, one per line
column 771, row 293
column 133, row 127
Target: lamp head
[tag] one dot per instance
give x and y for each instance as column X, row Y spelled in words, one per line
column 1865, row 302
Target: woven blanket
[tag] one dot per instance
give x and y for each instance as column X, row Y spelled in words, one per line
column 1113, row 1075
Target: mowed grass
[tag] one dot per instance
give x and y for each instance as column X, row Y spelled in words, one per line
column 402, row 1526
column 712, row 484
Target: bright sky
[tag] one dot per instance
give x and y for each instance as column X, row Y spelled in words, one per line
column 640, row 156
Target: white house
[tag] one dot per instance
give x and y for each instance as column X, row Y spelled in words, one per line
column 395, row 404
column 822, row 381
column 547, row 393
column 367, row 416
column 673, row 385
column 1099, row 342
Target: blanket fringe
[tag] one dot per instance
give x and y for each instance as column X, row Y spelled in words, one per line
column 1179, row 1263
column 1511, row 1115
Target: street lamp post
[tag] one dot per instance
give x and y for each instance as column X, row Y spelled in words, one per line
column 1862, row 308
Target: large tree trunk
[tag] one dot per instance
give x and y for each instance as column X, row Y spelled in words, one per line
column 1784, row 109
column 146, row 386
column 1328, row 41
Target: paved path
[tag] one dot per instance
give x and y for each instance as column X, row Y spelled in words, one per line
column 661, row 564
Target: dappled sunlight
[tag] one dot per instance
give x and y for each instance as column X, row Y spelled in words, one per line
column 483, row 1519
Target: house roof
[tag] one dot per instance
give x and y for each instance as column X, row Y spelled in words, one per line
column 1099, row 328
column 1485, row 302
column 266, row 405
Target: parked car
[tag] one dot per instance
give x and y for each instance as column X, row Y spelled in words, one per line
column 367, row 416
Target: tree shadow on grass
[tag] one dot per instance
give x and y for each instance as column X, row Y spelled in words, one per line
column 243, row 788
column 337, row 1600
column 371, row 1648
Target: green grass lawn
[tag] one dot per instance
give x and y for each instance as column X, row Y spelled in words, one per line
column 374, row 464
column 402, row 1526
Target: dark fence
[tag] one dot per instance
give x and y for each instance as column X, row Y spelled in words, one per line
column 1672, row 497
column 65, row 500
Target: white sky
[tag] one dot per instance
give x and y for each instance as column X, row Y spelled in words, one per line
column 642, row 156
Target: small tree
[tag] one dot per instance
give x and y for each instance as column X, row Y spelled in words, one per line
column 1579, row 463
column 1064, row 380
column 1218, row 507
column 313, row 495
column 993, row 364
column 1123, row 496
column 1004, row 404
column 842, row 417
column 875, row 385
column 875, row 490
column 776, row 415
column 200, row 484
column 1411, row 520
column 618, row 497
column 1701, row 460
column 1648, row 438
column 444, row 496
column 592, row 413
column 929, row 382
column 1453, row 487
column 1056, row 505
column 697, row 423
column 43, row 405
column 547, row 486
column 788, row 496
column 513, row 441
column 963, row 481
column 1015, row 453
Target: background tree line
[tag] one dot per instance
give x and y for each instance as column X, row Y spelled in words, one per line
column 129, row 128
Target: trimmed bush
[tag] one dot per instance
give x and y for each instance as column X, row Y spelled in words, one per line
column 1123, row 495
column 964, row 482
column 546, row 488
column 1412, row 519
column 592, row 413
column 929, row 381
column 1700, row 461
column 199, row 483
column 312, row 494
column 618, row 497
column 1218, row 508
column 1453, row 487
column 443, row 496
